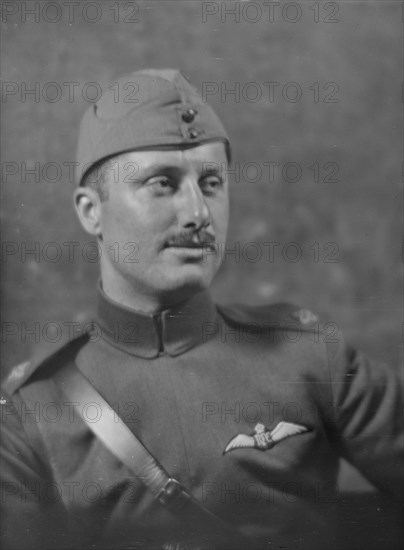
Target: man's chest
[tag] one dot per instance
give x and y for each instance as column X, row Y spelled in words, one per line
column 240, row 431
column 209, row 417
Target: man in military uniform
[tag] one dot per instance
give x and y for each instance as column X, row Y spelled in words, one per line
column 240, row 428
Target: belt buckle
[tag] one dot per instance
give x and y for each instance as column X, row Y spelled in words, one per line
column 173, row 495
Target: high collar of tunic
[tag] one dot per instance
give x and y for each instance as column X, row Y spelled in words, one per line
column 170, row 332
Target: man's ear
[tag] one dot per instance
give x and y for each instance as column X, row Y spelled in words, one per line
column 88, row 206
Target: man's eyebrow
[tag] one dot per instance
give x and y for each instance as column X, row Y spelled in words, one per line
column 157, row 168
column 211, row 169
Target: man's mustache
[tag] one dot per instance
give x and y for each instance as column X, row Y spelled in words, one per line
column 195, row 239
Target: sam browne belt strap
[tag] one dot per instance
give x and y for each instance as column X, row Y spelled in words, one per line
column 120, row 441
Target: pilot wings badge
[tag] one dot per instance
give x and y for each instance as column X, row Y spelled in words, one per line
column 264, row 439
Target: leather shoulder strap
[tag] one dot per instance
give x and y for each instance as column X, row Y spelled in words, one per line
column 117, row 437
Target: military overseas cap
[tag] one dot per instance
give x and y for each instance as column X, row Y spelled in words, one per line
column 144, row 110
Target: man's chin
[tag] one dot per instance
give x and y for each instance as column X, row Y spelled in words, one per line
column 189, row 279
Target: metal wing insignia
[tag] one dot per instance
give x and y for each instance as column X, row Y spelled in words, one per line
column 286, row 429
column 240, row 441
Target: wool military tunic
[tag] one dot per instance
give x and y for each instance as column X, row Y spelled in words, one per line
column 249, row 408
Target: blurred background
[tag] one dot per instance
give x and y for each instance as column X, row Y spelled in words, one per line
column 317, row 154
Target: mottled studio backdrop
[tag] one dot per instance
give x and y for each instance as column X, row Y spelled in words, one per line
column 310, row 93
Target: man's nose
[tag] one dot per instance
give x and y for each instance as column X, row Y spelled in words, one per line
column 194, row 212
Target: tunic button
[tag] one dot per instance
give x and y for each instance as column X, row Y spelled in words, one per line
column 188, row 116
column 193, row 133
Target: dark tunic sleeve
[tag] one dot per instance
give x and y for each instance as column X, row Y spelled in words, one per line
column 32, row 516
column 368, row 413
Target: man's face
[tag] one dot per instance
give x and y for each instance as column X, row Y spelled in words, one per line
column 164, row 221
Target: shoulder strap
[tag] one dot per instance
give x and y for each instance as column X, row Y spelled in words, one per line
column 50, row 352
column 117, row 437
column 271, row 316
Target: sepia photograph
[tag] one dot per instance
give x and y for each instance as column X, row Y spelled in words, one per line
column 202, row 275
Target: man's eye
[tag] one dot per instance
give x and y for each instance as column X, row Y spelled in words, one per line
column 160, row 183
column 211, row 184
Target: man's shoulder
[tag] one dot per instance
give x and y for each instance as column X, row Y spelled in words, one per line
column 271, row 316
column 43, row 360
